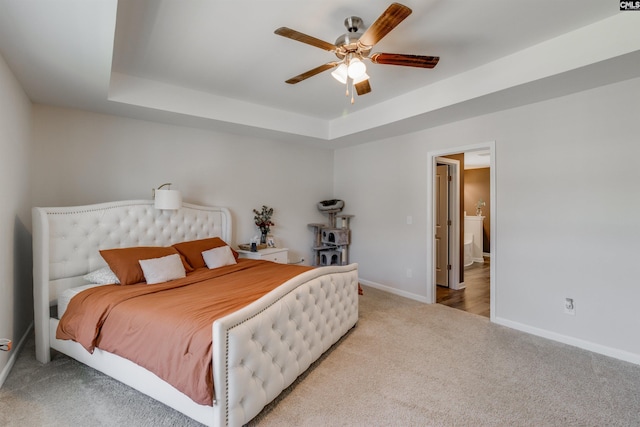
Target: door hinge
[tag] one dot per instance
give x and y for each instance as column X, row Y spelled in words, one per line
column 450, row 178
column 448, row 266
column 449, row 222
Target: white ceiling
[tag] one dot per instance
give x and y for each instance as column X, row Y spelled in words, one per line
column 217, row 63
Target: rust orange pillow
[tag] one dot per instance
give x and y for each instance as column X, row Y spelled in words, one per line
column 192, row 250
column 124, row 261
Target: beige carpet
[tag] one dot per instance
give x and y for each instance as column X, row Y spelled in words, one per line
column 405, row 364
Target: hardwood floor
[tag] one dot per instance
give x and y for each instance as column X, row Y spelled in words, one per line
column 475, row 298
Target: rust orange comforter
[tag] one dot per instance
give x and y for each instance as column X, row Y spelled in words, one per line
column 166, row 327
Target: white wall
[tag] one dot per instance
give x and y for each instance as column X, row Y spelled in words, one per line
column 82, row 158
column 16, row 296
column 567, row 208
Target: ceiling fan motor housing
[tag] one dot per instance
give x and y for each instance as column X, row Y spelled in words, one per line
column 348, row 42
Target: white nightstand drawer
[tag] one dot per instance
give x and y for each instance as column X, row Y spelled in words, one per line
column 279, row 255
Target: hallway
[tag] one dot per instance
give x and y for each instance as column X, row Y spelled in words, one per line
column 475, row 298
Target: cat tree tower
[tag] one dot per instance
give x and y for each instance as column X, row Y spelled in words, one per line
column 331, row 246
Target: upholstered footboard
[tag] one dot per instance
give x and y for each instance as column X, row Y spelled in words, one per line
column 260, row 350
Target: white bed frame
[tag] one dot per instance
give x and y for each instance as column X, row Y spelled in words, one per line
column 260, row 350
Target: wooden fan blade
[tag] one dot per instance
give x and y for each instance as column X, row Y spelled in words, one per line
column 311, row 73
column 406, row 60
column 363, row 87
column 395, row 14
column 304, row 38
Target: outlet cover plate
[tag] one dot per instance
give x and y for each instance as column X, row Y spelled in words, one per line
column 569, row 306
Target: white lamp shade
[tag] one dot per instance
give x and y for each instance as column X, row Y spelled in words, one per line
column 340, row 73
column 356, row 68
column 168, row 199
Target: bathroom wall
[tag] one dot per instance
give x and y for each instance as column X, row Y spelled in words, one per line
column 476, row 187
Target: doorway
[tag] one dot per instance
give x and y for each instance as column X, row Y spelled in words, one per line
column 433, row 191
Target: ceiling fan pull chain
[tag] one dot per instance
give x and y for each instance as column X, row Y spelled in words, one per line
column 353, row 89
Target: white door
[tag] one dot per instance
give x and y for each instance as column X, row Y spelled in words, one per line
column 442, row 224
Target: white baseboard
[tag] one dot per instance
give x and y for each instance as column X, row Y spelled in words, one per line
column 575, row 342
column 14, row 356
column 394, row 291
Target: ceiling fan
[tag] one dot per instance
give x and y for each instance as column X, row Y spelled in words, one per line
column 353, row 47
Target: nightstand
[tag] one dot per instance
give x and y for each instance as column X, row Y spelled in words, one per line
column 279, row 255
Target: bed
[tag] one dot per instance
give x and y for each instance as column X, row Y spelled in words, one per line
column 250, row 367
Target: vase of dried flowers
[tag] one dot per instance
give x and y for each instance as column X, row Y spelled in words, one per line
column 262, row 218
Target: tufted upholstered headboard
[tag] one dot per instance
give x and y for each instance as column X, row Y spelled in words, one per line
column 67, row 240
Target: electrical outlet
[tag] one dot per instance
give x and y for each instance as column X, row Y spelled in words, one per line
column 569, row 306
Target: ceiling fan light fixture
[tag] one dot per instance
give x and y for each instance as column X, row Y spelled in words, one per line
column 340, row 73
column 356, row 68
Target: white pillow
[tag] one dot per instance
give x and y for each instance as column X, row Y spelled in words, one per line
column 163, row 269
column 218, row 257
column 103, row 276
